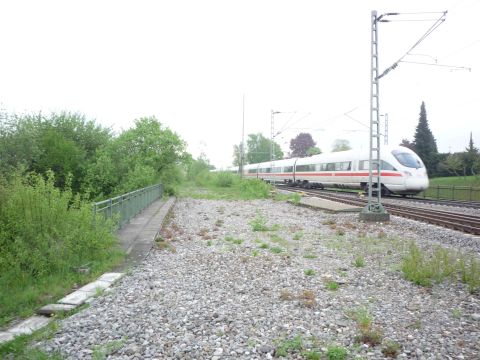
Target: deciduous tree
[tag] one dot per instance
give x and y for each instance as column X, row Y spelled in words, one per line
column 341, row 145
column 300, row 144
column 258, row 149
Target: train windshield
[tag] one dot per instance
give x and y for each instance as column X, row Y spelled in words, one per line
column 407, row 159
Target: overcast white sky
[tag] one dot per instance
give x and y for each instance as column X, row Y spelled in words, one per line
column 189, row 63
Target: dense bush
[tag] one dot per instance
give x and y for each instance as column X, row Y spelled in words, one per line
column 45, row 232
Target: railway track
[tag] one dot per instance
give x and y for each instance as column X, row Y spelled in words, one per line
column 465, row 223
column 456, row 203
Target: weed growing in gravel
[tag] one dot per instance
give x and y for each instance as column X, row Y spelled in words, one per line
column 298, row 235
column 340, row 232
column 233, row 240
column 329, row 222
column 286, row 294
column 309, row 256
column 219, row 223
column 469, row 269
column 263, row 246
column 332, row 285
column 309, row 272
column 335, row 352
column 312, row 354
column 359, row 261
column 276, row 250
column 307, row 298
column 255, row 253
column 277, row 239
column 101, row 352
column 391, row 349
column 259, row 223
column 422, row 270
column 368, row 334
column 163, row 244
column 285, row 347
column 209, row 243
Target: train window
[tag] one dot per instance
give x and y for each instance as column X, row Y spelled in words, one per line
column 387, row 166
column 407, row 159
column 252, row 171
column 323, row 167
column 305, row 168
column 288, row 169
column 342, row 166
column 276, row 170
column 330, row 167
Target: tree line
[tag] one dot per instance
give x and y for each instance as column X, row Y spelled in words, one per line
column 259, row 148
column 90, row 159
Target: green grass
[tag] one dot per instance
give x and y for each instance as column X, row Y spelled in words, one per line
column 263, row 246
column 442, row 188
column 233, row 240
column 225, row 186
column 276, row 249
column 285, row 347
column 259, row 223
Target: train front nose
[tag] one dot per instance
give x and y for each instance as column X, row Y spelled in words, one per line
column 416, row 180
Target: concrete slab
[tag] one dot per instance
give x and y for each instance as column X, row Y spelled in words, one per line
column 110, row 277
column 6, row 336
column 137, row 238
column 95, row 285
column 30, row 325
column 76, row 298
column 55, row 309
column 328, row 205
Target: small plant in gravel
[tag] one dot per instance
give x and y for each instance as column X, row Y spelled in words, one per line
column 307, row 298
column 309, row 256
column 391, row 349
column 311, row 355
column 335, row 352
column 255, row 253
column 329, row 222
column 263, row 246
column 276, row 250
column 298, row 235
column 209, row 243
column 469, row 269
column 286, row 294
column 219, row 223
column 259, row 223
column 457, row 313
column 359, row 261
column 163, row 244
column 233, row 240
column 278, row 239
column 422, row 270
column 101, row 352
column 332, row 285
column 340, row 232
column 286, row 347
column 309, row 272
column 368, row 334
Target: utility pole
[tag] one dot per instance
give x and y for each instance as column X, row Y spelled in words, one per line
column 386, row 130
column 242, row 146
column 272, row 134
column 374, row 211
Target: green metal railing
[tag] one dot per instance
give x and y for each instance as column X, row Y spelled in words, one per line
column 124, row 207
column 449, row 192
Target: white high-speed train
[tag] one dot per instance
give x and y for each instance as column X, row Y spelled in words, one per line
column 402, row 171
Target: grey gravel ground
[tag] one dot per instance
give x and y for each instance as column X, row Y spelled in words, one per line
column 221, row 294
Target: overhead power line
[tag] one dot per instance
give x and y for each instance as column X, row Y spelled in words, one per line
column 432, row 28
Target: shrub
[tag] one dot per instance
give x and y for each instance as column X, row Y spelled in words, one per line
column 224, row 179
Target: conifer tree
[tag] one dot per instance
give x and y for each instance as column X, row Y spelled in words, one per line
column 424, row 142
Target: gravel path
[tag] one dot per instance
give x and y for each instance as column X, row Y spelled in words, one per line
column 224, row 291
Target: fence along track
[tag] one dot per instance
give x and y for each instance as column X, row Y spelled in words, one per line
column 124, row 207
column 465, row 223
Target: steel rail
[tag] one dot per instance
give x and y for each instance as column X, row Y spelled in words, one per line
column 465, row 223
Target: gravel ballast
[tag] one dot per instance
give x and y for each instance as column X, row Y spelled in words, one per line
column 220, row 290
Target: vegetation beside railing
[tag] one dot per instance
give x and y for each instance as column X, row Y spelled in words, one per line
column 452, row 192
column 122, row 208
column 47, row 243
